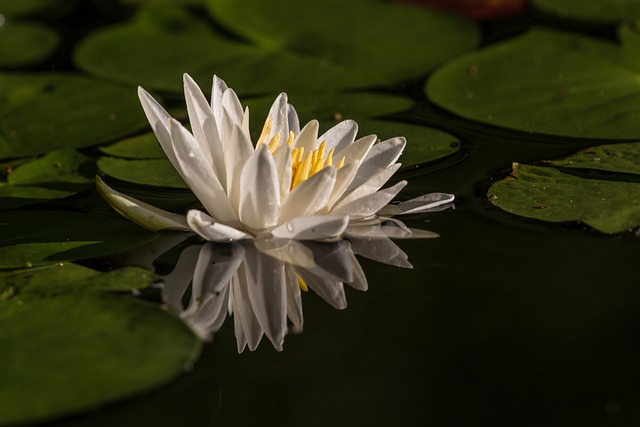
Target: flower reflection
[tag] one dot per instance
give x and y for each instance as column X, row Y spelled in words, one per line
column 260, row 282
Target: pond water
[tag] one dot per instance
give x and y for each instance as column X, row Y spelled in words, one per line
column 503, row 320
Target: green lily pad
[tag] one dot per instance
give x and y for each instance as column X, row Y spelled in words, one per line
column 71, row 353
column 598, row 186
column 43, row 112
column 156, row 172
column 56, row 175
column 546, row 82
column 143, row 146
column 24, row 44
column 31, row 238
column 68, row 278
column 358, row 53
column 33, row 8
column 591, row 10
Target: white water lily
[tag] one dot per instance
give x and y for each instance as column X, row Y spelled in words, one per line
column 291, row 184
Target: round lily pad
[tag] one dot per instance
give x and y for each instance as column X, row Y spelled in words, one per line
column 71, row 353
column 156, row 172
column 31, row 238
column 598, row 186
column 46, row 111
column 24, row 44
column 591, row 10
column 143, row 146
column 546, row 82
column 304, row 57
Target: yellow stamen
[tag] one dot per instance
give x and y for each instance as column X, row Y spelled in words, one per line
column 266, row 130
column 290, row 138
column 317, row 166
column 341, row 162
column 302, row 283
column 273, row 144
column 302, row 171
column 330, row 157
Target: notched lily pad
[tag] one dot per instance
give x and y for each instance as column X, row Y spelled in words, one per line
column 546, row 82
column 23, row 44
column 56, row 175
column 71, row 353
column 598, row 186
column 44, row 112
column 31, row 238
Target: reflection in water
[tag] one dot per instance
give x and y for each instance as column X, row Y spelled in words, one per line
column 260, row 282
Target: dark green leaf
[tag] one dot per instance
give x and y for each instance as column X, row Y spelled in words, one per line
column 25, row 44
column 591, row 10
column 156, row 172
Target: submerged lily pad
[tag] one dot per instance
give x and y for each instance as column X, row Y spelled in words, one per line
column 43, row 112
column 591, row 10
column 24, row 44
column 31, row 238
column 70, row 353
column 598, row 186
column 300, row 54
column 69, row 278
column 546, row 82
column 56, row 175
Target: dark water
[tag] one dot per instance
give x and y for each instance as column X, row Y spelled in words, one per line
column 502, row 322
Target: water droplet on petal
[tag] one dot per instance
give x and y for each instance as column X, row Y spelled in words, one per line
column 290, row 228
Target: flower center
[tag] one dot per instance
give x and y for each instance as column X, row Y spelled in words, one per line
column 303, row 165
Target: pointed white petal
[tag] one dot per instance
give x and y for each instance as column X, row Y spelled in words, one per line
column 279, row 116
column 343, row 178
column 329, row 290
column 211, row 230
column 176, row 283
column 282, row 157
column 381, row 156
column 432, row 202
column 294, row 301
column 368, row 205
column 372, row 185
column 356, row 151
column 218, row 89
column 332, row 260
column 340, row 136
column 243, row 310
column 237, row 154
column 294, row 121
column 310, row 196
column 381, row 249
column 322, row 227
column 259, row 191
column 199, row 112
column 198, row 174
column 143, row 214
column 308, row 137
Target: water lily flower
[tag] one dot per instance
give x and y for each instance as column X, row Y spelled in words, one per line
column 290, row 184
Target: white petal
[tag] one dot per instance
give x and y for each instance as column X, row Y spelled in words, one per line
column 381, row 249
column 282, row 157
column 218, row 89
column 368, row 205
column 294, row 301
column 200, row 115
column 329, row 290
column 232, row 115
column 372, row 185
column 279, row 115
column 381, row 156
column 432, row 202
column 340, row 136
column 343, row 178
column 321, row 227
column 308, row 137
column 294, row 121
column 237, row 154
column 357, row 151
column 247, row 326
column 260, row 191
column 211, row 230
column 141, row 213
column 310, row 196
column 159, row 120
column 176, row 283
column 199, row 175
column 332, row 260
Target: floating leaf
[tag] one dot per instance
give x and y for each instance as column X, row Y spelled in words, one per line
column 43, row 112
column 56, row 175
column 70, row 353
column 547, row 82
column 69, row 278
column 25, row 44
column 41, row 237
column 599, row 186
column 156, row 172
column 32, row 8
column 138, row 147
column 591, row 10
column 292, row 53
